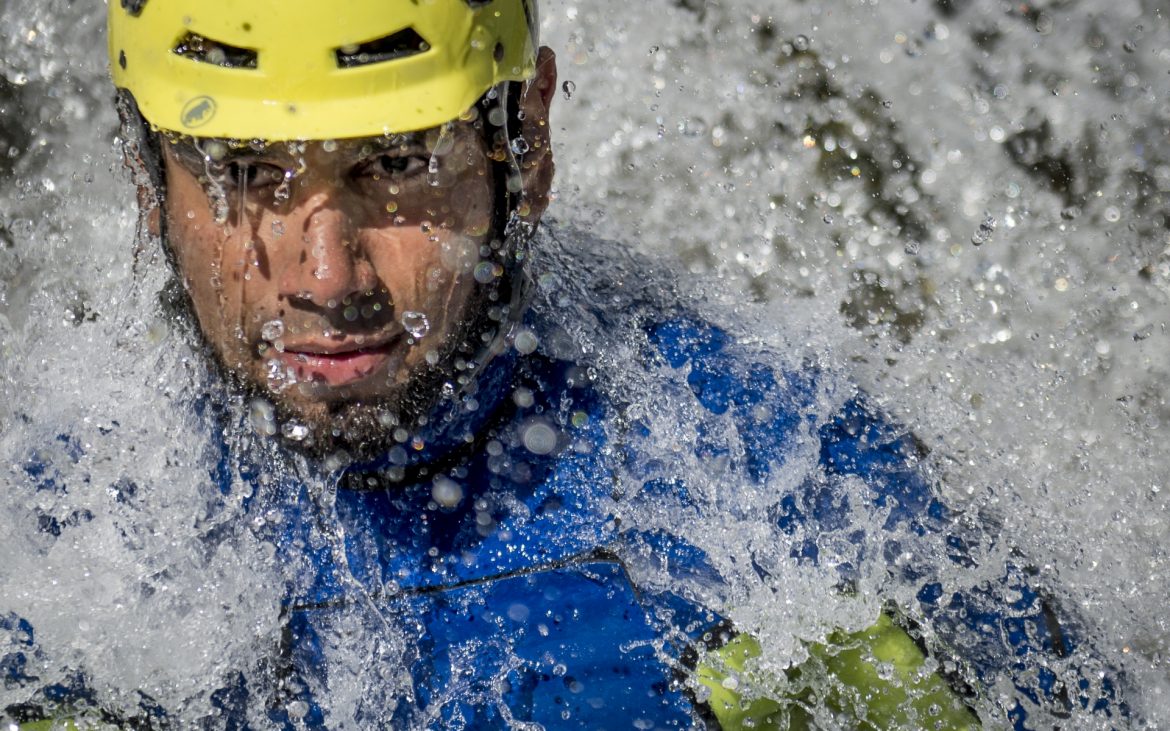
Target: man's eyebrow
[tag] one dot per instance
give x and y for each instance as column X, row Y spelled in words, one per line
column 198, row 150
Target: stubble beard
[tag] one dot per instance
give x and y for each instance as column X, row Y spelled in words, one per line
column 363, row 430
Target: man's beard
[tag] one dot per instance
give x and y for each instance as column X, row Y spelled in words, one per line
column 364, row 430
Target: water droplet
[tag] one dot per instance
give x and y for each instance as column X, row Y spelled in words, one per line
column 392, row 207
column 262, row 416
column 416, row 324
column 983, row 234
column 568, row 88
column 539, row 437
column 446, row 492
column 519, row 146
column 525, row 342
column 350, row 313
column 329, row 146
column 800, row 43
column 294, row 431
column 272, row 330
column 278, row 228
column 484, row 272
column 297, row 710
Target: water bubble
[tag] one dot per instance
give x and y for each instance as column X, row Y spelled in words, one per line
column 446, row 492
column 525, row 342
column 284, row 191
column 297, row 710
column 539, row 437
column 416, row 324
column 294, row 431
column 568, row 88
column 262, row 417
column 983, row 234
column 484, row 272
column 272, row 330
column 214, row 150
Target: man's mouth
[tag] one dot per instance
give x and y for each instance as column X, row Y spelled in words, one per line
column 332, row 363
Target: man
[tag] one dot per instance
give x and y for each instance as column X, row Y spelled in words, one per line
column 482, row 517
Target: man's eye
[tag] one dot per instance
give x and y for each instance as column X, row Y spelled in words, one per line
column 255, row 174
column 393, row 166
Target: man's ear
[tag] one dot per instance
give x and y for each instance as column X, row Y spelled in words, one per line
column 537, row 163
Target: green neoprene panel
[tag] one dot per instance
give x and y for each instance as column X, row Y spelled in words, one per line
column 846, row 670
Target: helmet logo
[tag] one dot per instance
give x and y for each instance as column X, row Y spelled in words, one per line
column 198, row 111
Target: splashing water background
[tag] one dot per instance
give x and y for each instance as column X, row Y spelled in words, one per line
column 963, row 204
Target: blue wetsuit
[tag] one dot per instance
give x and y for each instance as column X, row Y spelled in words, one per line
column 514, row 601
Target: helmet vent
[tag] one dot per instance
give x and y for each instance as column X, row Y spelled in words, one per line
column 204, row 50
column 387, row 48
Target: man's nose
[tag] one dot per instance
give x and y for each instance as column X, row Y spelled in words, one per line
column 330, row 265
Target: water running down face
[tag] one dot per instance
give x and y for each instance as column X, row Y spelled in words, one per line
column 330, row 275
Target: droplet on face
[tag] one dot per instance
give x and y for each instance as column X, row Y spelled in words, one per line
column 416, row 324
column 539, row 437
column 278, row 228
column 272, row 330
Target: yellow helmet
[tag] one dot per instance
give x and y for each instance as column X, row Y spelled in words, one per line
column 307, row 69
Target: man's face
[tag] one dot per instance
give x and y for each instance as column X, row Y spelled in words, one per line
column 328, row 273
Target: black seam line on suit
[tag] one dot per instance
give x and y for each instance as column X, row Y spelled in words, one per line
column 595, row 555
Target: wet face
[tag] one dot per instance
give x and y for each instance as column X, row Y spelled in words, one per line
column 339, row 278
column 326, row 274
